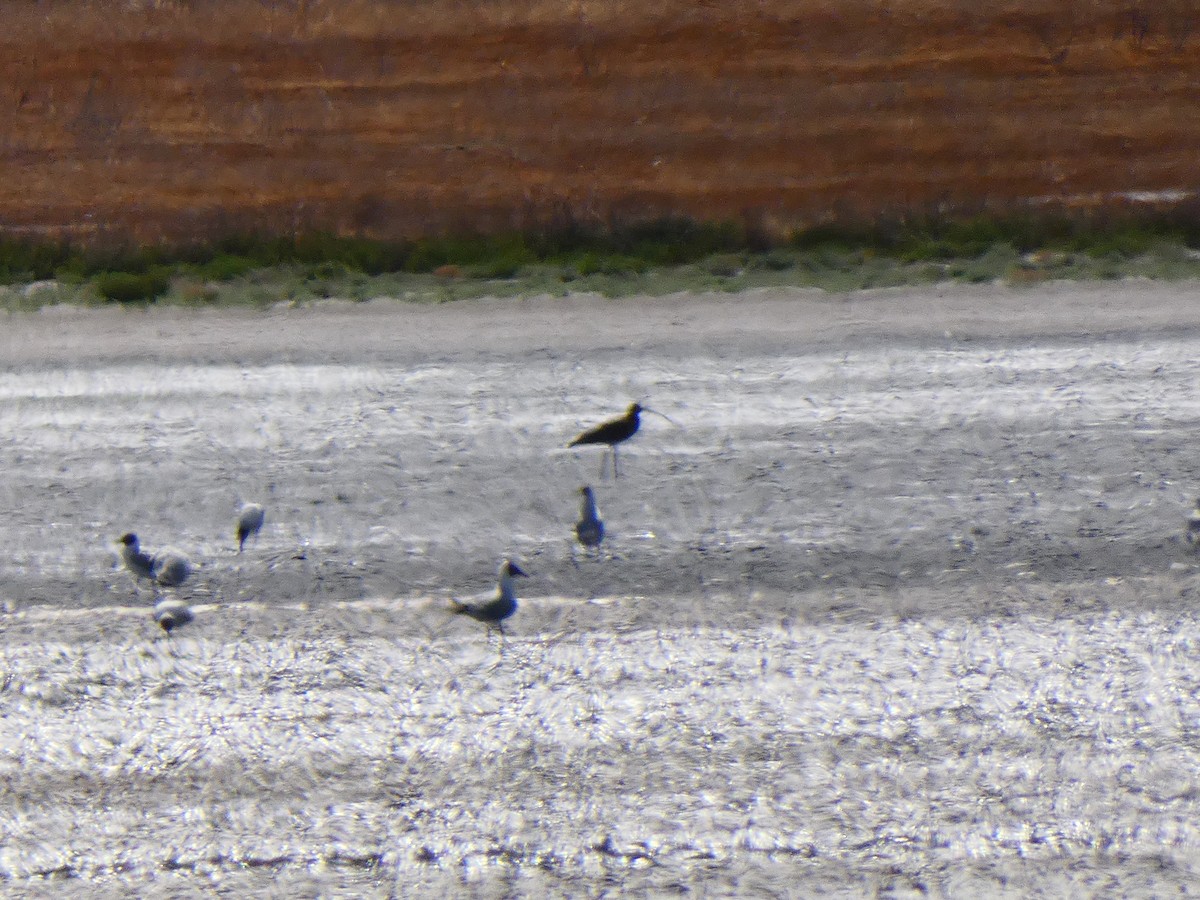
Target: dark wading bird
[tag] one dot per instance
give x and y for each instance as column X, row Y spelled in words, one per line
column 250, row 522
column 498, row 608
column 170, row 613
column 166, row 568
column 589, row 529
column 614, row 432
column 1193, row 526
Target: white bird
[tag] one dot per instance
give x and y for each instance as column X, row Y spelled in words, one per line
column 1193, row 525
column 249, row 523
column 589, row 529
column 167, row 568
column 170, row 613
column 496, row 609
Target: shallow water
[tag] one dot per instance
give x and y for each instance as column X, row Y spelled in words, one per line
column 913, row 619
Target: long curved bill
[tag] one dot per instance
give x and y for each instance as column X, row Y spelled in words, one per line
column 664, row 415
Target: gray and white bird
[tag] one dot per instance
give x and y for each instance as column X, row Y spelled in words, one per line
column 170, row 613
column 166, row 568
column 496, row 609
column 249, row 523
column 1192, row 533
column 589, row 529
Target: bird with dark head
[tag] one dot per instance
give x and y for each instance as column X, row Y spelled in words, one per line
column 496, row 609
column 612, row 433
column 138, row 562
column 249, row 523
column 166, row 568
column 1192, row 532
column 170, row 614
column 589, row 529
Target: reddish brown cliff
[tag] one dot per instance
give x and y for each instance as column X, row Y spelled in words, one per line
column 189, row 119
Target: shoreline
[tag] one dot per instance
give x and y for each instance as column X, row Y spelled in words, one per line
column 397, row 331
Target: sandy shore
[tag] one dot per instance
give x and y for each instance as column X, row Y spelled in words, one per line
column 899, row 605
column 766, row 320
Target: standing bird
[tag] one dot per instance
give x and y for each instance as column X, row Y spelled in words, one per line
column 166, row 568
column 250, row 522
column 170, row 613
column 1193, row 526
column 589, row 529
column 612, row 432
column 500, row 607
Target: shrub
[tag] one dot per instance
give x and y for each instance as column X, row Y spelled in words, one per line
column 484, row 257
column 226, row 267
column 327, row 270
column 675, row 241
column 506, row 263
column 131, row 287
column 611, row 264
column 724, row 265
column 774, row 261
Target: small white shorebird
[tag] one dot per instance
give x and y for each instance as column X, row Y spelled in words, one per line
column 170, row 613
column 589, row 529
column 493, row 609
column 166, row 568
column 1193, row 526
column 249, row 523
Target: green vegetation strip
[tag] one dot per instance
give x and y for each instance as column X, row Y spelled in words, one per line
column 652, row 258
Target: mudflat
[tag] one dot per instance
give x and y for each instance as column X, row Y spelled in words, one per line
column 899, row 599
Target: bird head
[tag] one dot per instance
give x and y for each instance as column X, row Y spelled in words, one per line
column 129, row 539
column 510, row 568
